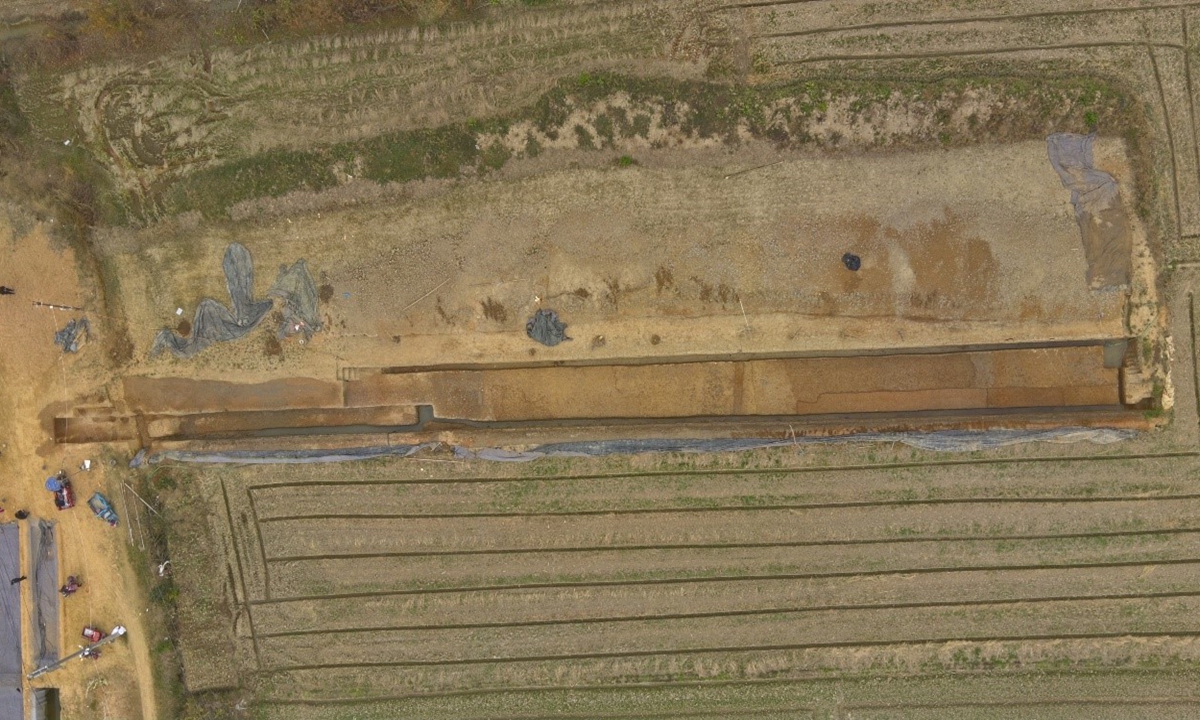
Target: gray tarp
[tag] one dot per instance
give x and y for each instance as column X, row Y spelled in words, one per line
column 43, row 576
column 945, row 441
column 69, row 337
column 296, row 288
column 1097, row 200
column 268, row 457
column 546, row 328
column 11, row 705
column 213, row 322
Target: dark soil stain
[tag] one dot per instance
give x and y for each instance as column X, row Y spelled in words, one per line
column 493, row 310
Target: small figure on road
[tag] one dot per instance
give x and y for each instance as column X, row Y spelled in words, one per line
column 14, row 581
column 6, row 290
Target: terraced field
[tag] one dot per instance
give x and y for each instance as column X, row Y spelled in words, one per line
column 409, row 586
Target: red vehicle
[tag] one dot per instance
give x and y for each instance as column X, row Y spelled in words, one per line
column 60, row 485
column 93, row 635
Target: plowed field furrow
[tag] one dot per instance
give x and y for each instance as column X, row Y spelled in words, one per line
column 803, row 661
column 799, row 20
column 1075, row 55
column 1158, row 27
column 1049, row 688
column 374, row 576
column 404, row 499
column 667, row 636
column 615, row 604
column 1080, row 709
column 251, row 568
column 293, row 539
column 1170, row 65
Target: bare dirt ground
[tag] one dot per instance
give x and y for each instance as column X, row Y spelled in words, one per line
column 683, row 254
column 36, row 378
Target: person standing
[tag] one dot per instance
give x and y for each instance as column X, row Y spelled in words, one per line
column 6, row 290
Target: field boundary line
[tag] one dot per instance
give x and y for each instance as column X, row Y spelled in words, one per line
column 854, row 607
column 707, row 683
column 752, row 4
column 262, row 548
column 861, row 467
column 907, row 539
column 979, row 51
column 1195, row 369
column 731, row 578
column 683, row 510
column 237, row 556
column 781, row 647
column 1048, row 14
column 666, row 715
column 1187, row 76
column 1099, row 700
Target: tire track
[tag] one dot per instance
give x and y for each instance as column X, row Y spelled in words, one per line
column 262, row 548
column 1162, row 101
column 1049, row 702
column 1053, row 13
column 761, row 612
column 724, row 650
column 1195, row 370
column 903, row 24
column 717, row 472
column 726, row 713
column 968, row 53
column 934, row 539
column 729, row 578
column 237, row 556
column 1187, row 76
column 683, row 510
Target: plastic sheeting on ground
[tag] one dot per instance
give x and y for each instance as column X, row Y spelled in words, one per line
column 11, row 705
column 546, row 328
column 1107, row 242
column 944, row 441
column 296, row 288
column 43, row 576
column 213, row 322
column 267, row 457
column 72, row 333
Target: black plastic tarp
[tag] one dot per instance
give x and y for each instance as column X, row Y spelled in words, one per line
column 11, row 705
column 43, row 575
